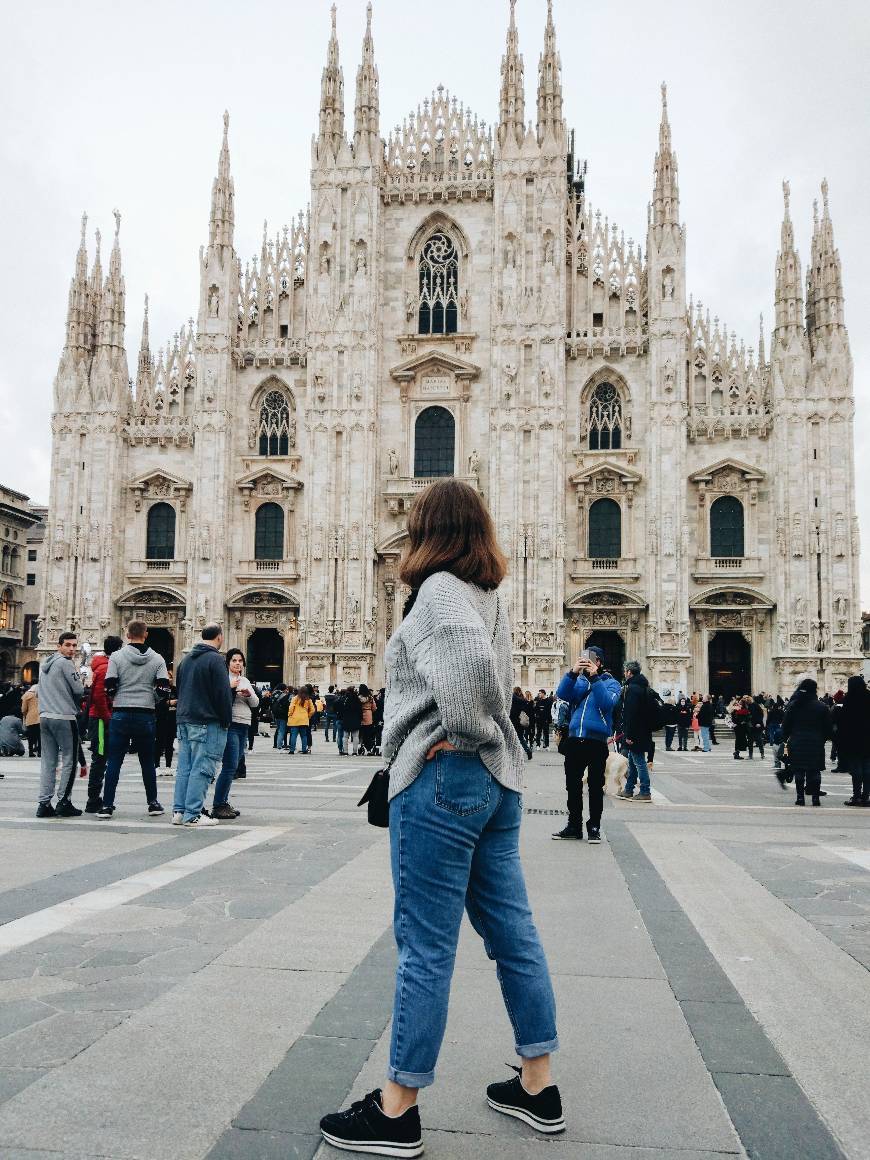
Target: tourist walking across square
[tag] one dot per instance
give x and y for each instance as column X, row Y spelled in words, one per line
column 455, row 779
column 636, row 732
column 136, row 675
column 60, row 699
column 205, row 711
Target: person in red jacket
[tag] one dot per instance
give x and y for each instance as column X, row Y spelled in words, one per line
column 98, row 722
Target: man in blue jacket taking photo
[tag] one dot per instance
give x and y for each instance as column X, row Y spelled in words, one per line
column 592, row 694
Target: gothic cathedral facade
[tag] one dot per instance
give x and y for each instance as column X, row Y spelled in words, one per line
column 452, row 304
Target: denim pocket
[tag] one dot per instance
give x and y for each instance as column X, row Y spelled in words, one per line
column 462, row 783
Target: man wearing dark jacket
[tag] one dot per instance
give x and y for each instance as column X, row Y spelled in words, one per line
column 636, row 732
column 805, row 729
column 852, row 731
column 99, row 716
column 705, row 720
column 136, row 675
column 205, row 710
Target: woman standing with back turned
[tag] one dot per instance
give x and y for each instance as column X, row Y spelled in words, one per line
column 455, row 810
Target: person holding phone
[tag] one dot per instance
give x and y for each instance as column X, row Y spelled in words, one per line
column 244, row 700
column 592, row 694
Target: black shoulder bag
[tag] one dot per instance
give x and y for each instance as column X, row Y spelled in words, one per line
column 377, row 796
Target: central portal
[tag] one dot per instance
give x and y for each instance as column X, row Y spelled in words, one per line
column 266, row 656
column 730, row 665
column 613, row 647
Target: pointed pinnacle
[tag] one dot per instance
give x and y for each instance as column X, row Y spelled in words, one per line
column 226, row 124
column 664, row 100
column 333, row 11
column 84, row 226
column 117, row 215
column 825, row 197
column 368, row 18
column 786, row 197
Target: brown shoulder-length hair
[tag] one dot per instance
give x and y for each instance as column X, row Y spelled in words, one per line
column 450, row 530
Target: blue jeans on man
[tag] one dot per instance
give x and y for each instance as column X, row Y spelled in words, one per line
column 637, row 769
column 329, row 719
column 128, row 725
column 281, row 733
column 200, row 751
column 237, row 740
column 705, row 738
column 454, row 847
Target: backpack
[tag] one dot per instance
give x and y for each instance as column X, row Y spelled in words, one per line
column 525, row 721
column 669, row 714
column 656, row 717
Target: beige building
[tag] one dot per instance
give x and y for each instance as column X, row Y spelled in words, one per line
column 452, row 303
column 20, row 588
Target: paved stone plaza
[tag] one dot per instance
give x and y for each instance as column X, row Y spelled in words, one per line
column 169, row 995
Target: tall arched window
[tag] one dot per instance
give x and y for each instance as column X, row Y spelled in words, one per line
column 160, row 539
column 15, row 562
column 274, row 425
column 4, row 558
column 7, row 611
column 438, row 305
column 605, row 418
column 434, row 443
column 269, row 532
column 726, row 527
column 605, row 530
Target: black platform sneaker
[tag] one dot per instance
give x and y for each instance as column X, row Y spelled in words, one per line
column 542, row 1112
column 365, row 1128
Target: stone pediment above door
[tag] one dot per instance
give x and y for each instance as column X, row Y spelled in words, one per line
column 435, row 374
column 606, row 477
column 159, row 484
column 267, row 483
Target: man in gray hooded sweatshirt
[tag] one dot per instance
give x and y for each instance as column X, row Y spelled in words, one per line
column 60, row 699
column 136, row 676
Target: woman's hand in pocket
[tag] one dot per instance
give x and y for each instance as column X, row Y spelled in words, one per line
column 445, row 745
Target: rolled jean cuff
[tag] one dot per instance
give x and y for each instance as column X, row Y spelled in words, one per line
column 411, row 1079
column 533, row 1050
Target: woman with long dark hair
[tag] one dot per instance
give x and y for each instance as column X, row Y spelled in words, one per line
column 456, row 776
column 244, row 700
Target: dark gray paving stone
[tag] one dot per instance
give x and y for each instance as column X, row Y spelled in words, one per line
column 774, row 1119
column 316, row 1073
column 247, row 1144
column 127, row 994
column 18, row 1013
column 56, row 1040
column 15, row 1079
column 362, row 1007
column 730, row 1039
column 116, row 957
column 59, row 887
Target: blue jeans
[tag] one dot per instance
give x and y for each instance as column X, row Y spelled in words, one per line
column 200, row 750
column 302, row 732
column 454, row 845
column 637, row 768
column 127, row 727
column 237, row 740
column 705, row 738
column 329, row 720
column 280, row 733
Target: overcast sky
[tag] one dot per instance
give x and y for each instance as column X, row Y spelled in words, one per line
column 119, row 104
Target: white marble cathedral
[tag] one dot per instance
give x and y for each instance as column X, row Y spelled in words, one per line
column 451, row 303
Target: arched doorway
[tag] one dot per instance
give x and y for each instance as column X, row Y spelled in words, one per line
column 613, row 647
column 30, row 673
column 163, row 642
column 730, row 665
column 266, row 656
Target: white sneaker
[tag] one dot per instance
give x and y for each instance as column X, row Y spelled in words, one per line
column 178, row 818
column 202, row 821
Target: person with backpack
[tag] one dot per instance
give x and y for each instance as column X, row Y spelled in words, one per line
column 350, row 716
column 590, row 693
column 640, row 716
column 279, row 706
column 367, row 724
column 99, row 716
column 805, row 729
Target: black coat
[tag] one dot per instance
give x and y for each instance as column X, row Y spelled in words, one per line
column 635, row 711
column 705, row 713
column 806, row 728
column 349, row 710
column 852, row 723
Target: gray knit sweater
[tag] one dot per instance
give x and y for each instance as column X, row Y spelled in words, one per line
column 449, row 678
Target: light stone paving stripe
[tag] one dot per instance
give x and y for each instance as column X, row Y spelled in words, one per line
column 166, row 1083
column 49, row 921
column 810, row 997
column 335, row 773
column 859, row 857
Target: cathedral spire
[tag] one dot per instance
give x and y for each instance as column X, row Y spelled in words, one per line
column 366, row 130
column 331, row 131
column 824, row 276
column 145, row 366
column 762, row 355
column 789, row 300
column 512, row 100
column 222, row 217
column 666, row 194
column 79, row 332
column 110, row 331
column 550, row 84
